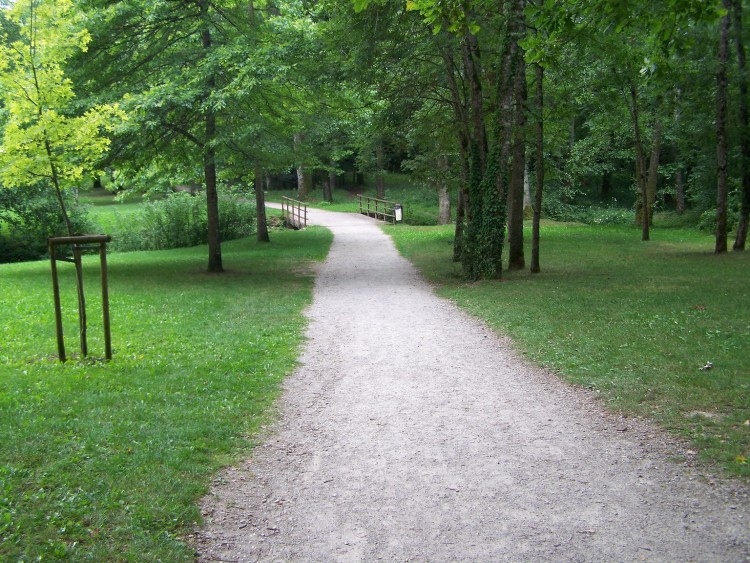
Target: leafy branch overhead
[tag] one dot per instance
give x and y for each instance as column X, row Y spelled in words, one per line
column 45, row 136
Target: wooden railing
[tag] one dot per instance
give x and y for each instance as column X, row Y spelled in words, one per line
column 379, row 209
column 294, row 213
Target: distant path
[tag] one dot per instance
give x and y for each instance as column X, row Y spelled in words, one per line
column 410, row 432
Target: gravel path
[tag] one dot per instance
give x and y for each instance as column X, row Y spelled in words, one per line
column 411, row 432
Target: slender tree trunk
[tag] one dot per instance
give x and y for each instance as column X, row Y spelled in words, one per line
column 444, row 199
column 721, row 134
column 640, row 164
column 260, row 206
column 209, row 166
column 78, row 263
column 463, row 194
column 516, row 260
column 742, row 227
column 539, row 166
column 473, row 67
column 527, row 205
column 460, row 116
column 302, row 183
column 330, row 185
column 380, row 174
column 571, row 134
column 679, row 189
column 606, row 191
column 653, row 172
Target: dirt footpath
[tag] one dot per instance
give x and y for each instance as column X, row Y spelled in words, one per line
column 410, row 432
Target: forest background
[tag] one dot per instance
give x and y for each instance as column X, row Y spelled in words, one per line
column 594, row 111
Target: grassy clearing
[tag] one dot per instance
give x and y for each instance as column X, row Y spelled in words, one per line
column 105, row 461
column 633, row 320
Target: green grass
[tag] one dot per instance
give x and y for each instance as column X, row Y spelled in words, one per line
column 107, row 460
column 633, row 320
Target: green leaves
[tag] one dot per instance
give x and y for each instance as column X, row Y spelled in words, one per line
column 41, row 139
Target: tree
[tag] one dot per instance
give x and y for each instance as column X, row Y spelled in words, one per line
column 744, row 124
column 169, row 64
column 43, row 141
column 721, row 134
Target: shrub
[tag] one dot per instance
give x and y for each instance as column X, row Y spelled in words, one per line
column 707, row 221
column 180, row 220
column 589, row 215
column 28, row 216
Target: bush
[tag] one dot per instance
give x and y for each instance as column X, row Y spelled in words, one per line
column 28, row 216
column 707, row 221
column 180, row 221
column 589, row 215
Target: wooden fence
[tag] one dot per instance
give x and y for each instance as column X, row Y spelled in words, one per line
column 294, row 213
column 380, row 209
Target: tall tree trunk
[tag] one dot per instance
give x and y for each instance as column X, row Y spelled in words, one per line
column 742, row 227
column 606, row 190
column 302, row 183
column 380, row 174
column 653, row 172
column 571, row 134
column 330, row 185
column 516, row 260
column 721, row 134
column 539, row 166
column 640, row 164
column 444, row 199
column 527, row 205
column 209, row 167
column 473, row 68
column 679, row 189
column 460, row 115
column 463, row 194
column 497, row 181
column 260, row 205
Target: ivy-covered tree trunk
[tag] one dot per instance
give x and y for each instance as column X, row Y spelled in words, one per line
column 488, row 192
column 744, row 116
column 721, row 134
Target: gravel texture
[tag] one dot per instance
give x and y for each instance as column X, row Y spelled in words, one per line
column 411, row 432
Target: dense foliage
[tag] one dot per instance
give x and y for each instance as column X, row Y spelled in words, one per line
column 219, row 92
column 28, row 216
column 181, row 221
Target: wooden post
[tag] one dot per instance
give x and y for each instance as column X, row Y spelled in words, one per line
column 58, row 308
column 105, row 301
column 82, row 321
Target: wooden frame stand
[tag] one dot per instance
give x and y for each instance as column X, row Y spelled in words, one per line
column 80, row 243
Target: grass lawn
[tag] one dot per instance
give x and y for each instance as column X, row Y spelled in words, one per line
column 106, row 461
column 635, row 321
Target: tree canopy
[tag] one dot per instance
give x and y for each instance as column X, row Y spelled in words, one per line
column 606, row 103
